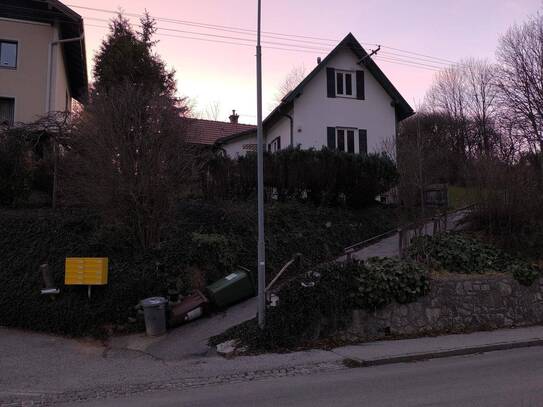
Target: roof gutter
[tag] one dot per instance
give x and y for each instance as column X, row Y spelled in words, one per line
column 50, row 67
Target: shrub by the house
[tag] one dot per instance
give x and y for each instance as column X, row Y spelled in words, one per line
column 323, row 177
column 459, row 253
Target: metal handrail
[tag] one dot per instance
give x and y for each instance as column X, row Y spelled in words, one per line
column 371, row 239
column 350, row 249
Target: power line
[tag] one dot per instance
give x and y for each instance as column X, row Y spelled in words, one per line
column 245, row 31
column 397, row 61
column 424, row 60
column 293, row 47
column 219, row 41
column 216, row 26
column 422, row 55
column 224, row 36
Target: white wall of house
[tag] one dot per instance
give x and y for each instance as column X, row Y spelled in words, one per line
column 239, row 146
column 313, row 112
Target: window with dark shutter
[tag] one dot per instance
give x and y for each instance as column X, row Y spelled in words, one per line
column 360, row 87
column 331, row 82
column 339, row 83
column 350, row 141
column 363, row 141
column 341, row 140
column 348, row 84
column 331, row 138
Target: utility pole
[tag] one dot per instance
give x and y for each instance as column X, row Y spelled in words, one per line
column 372, row 53
column 260, row 177
column 420, row 160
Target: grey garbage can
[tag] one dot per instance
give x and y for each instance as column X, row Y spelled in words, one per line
column 154, row 311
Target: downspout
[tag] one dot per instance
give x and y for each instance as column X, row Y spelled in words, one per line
column 48, row 110
column 291, row 129
column 50, row 67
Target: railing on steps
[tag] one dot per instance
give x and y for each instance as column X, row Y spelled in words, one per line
column 406, row 233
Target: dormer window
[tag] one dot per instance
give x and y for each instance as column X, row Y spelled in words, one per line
column 8, row 54
column 345, row 83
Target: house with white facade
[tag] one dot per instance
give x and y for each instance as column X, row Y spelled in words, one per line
column 346, row 103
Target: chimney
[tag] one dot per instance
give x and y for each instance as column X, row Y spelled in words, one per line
column 319, row 60
column 234, row 117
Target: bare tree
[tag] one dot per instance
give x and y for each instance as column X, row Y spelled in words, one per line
column 520, row 73
column 448, row 96
column 213, row 110
column 481, row 102
column 292, row 79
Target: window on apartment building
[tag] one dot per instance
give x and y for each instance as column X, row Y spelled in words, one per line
column 8, row 54
column 345, row 139
column 7, row 111
column 345, row 83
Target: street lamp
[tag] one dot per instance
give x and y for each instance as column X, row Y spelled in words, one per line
column 260, row 186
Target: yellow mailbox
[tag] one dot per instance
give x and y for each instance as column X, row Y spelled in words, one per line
column 86, row 271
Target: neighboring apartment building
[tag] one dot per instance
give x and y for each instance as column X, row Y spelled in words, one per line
column 346, row 103
column 42, row 59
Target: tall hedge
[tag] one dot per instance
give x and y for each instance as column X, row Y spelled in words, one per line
column 323, row 177
column 202, row 243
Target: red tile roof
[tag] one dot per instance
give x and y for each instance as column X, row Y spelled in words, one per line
column 200, row 131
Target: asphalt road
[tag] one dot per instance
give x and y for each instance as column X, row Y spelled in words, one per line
column 507, row 378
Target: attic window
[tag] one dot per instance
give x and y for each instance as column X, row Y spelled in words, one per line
column 345, row 83
column 8, row 54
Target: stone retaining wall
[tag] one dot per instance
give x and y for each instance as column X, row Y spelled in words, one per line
column 456, row 303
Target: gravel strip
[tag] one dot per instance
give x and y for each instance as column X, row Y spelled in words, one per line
column 118, row 391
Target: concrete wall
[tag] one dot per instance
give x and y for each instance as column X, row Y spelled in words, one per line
column 457, row 303
column 28, row 82
column 313, row 112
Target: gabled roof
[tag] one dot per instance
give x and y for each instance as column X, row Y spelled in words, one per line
column 200, row 131
column 403, row 110
column 71, row 26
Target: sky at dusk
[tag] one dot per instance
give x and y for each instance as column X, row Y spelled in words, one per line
column 212, row 71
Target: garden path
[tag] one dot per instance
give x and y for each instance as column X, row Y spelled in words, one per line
column 389, row 247
column 190, row 340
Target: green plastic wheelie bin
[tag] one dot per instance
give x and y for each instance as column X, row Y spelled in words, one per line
column 230, row 289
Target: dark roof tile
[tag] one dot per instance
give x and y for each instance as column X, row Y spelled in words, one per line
column 201, row 131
